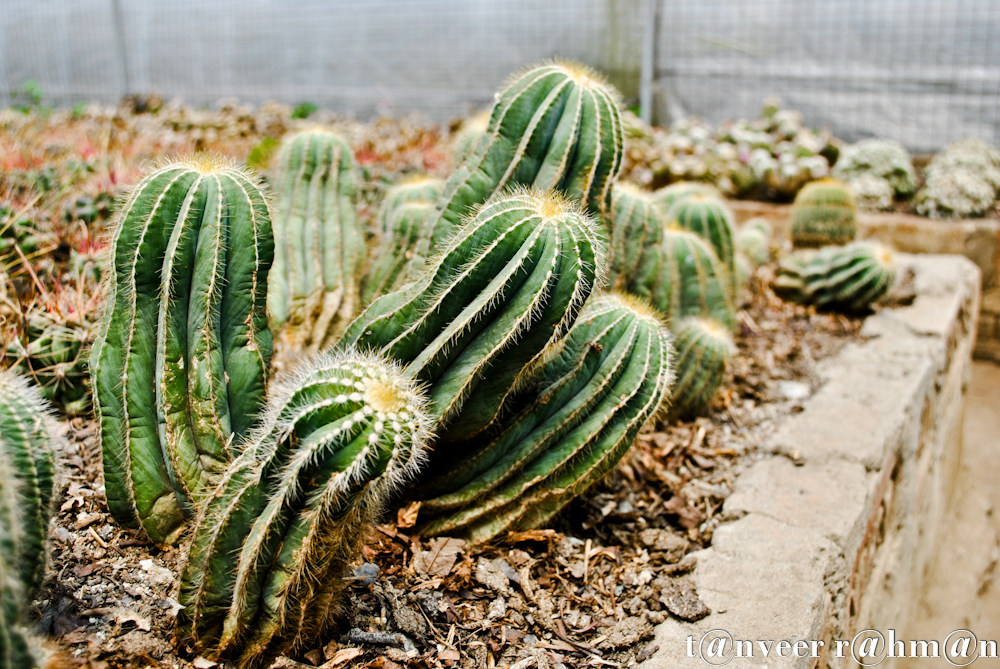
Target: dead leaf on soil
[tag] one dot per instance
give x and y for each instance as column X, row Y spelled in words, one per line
column 203, row 663
column 341, row 656
column 123, row 616
column 440, row 556
column 407, row 516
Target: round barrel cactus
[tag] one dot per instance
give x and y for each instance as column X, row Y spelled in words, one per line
column 708, row 217
column 319, row 243
column 681, row 276
column 851, row 277
column 598, row 387
column 753, row 240
column 704, row 346
column 824, row 214
column 264, row 568
column 416, row 188
column 179, row 365
column 635, row 225
column 512, row 280
column 668, row 196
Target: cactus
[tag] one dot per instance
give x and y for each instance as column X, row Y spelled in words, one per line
column 599, row 385
column 681, row 276
column 973, row 155
column 668, row 196
column 871, row 192
column 319, row 246
column 554, row 127
column 703, row 348
column 635, row 225
column 417, row 188
column 850, row 277
column 958, row 193
column 881, row 158
column 753, row 240
column 708, row 217
column 337, row 439
column 467, row 139
column 474, row 323
column 823, row 214
column 179, row 366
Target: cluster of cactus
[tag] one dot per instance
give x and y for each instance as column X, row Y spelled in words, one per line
column 596, row 388
column 963, row 180
column 319, row 245
column 881, row 169
column 824, row 214
column 850, row 277
column 18, row 233
column 337, row 439
column 179, row 366
column 27, row 432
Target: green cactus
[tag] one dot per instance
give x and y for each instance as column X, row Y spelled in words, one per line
column 635, row 225
column 823, row 215
column 467, row 138
column 554, row 127
column 599, row 385
column 668, row 196
column 272, row 541
column 319, row 245
column 474, row 323
column 179, row 366
column 753, row 240
column 708, row 217
column 417, row 188
column 704, row 346
column 681, row 276
column 851, row 277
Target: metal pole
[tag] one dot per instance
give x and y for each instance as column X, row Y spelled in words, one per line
column 647, row 69
column 116, row 15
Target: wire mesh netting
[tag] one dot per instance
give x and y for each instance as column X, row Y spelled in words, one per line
column 923, row 72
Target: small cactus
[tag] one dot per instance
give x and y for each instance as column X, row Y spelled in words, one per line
column 599, row 385
column 554, row 127
column 512, row 279
column 179, row 366
column 467, row 138
column 881, row 158
column 635, row 224
column 823, row 214
column 668, row 196
column 704, row 346
column 263, row 575
column 753, row 240
column 710, row 218
column 319, row 245
column 681, row 276
column 850, row 277
column 417, row 188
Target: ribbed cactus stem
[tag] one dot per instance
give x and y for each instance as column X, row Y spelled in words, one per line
column 681, row 277
column 709, row 218
column 704, row 347
column 554, row 127
column 179, row 366
column 417, row 188
column 668, row 196
column 753, row 240
column 319, row 243
column 635, row 225
column 512, row 280
column 824, row 214
column 338, row 438
column 851, row 277
column 469, row 135
column 610, row 374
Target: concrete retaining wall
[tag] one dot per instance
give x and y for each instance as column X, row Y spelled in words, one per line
column 831, row 530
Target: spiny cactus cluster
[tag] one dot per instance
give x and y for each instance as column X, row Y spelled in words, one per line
column 824, row 214
column 272, row 541
column 27, row 432
column 604, row 380
column 963, row 180
column 877, row 168
column 319, row 246
column 850, row 277
column 179, row 366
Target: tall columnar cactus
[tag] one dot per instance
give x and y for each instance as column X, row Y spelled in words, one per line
column 554, row 127
column 635, row 225
column 708, row 217
column 668, row 196
column 610, row 374
column 824, row 214
column 471, row 327
column 681, row 276
column 851, row 277
column 467, row 138
column 704, row 346
column 319, row 243
column 272, row 541
column 179, row 366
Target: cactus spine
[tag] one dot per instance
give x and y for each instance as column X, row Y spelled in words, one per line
column 635, row 225
column 668, row 196
column 850, row 277
column 337, row 439
column 599, row 386
column 511, row 280
column 554, row 127
column 179, row 366
column 319, row 244
column 709, row 218
column 681, row 276
column 704, row 346
column 824, row 214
